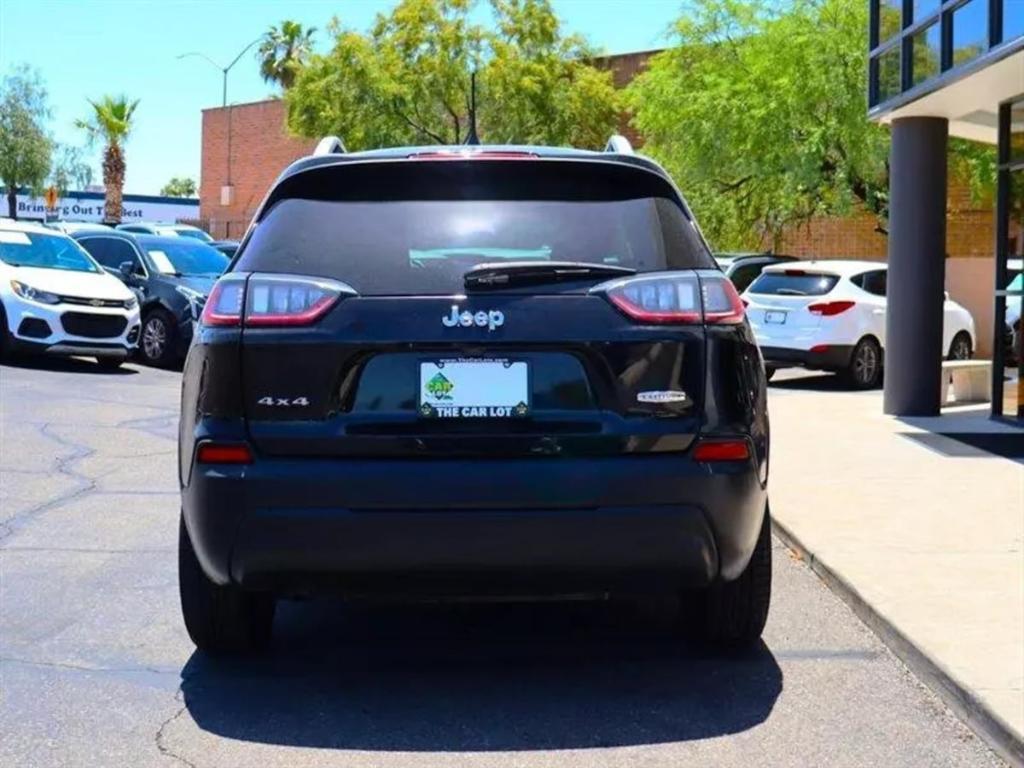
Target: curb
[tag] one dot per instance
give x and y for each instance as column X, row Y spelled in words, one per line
column 988, row 726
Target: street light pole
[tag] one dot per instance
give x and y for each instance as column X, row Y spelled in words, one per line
column 227, row 191
column 224, row 70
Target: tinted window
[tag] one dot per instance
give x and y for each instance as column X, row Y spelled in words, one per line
column 418, row 227
column 31, row 249
column 185, row 257
column 744, row 275
column 110, row 252
column 793, row 283
column 872, row 282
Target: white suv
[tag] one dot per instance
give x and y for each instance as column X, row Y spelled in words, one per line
column 830, row 315
column 55, row 298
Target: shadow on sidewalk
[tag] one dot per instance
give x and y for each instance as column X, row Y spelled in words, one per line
column 477, row 677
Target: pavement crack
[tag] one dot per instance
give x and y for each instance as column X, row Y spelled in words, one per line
column 64, row 465
column 84, row 668
column 158, row 739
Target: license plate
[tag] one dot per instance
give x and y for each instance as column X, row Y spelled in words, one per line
column 468, row 389
column 775, row 317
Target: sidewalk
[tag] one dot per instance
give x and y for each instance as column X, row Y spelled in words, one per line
column 920, row 533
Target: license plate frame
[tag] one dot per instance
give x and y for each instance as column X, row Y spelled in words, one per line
column 775, row 316
column 473, row 388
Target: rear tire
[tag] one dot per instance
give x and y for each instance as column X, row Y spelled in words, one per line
column 732, row 614
column 865, row 368
column 220, row 620
column 960, row 347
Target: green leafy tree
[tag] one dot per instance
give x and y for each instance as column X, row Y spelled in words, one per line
column 179, row 186
column 111, row 123
column 70, row 169
column 282, row 52
column 25, row 147
column 760, row 112
column 407, row 80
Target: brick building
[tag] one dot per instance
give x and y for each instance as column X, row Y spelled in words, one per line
column 245, row 146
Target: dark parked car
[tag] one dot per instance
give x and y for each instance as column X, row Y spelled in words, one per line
column 473, row 372
column 743, row 268
column 172, row 276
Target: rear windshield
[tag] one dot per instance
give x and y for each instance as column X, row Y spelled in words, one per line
column 412, row 242
column 793, row 283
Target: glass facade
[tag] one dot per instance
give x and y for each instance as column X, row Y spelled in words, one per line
column 916, row 41
column 1008, row 358
column 927, row 53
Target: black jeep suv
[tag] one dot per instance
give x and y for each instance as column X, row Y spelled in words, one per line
column 481, row 371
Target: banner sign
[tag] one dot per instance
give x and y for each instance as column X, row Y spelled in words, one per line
column 88, row 206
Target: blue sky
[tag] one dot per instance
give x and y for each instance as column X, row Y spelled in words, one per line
column 85, row 48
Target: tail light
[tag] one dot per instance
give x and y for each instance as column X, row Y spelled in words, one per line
column 223, row 453
column 272, row 301
column 715, row 449
column 224, row 304
column 680, row 299
column 830, row 308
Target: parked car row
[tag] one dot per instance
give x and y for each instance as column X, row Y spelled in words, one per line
column 102, row 292
column 830, row 315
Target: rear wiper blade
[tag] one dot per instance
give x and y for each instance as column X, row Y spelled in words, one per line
column 507, row 273
column 789, row 292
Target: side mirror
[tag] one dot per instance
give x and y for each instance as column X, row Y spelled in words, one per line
column 946, row 295
column 126, row 268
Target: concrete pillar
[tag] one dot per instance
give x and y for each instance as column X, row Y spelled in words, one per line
column 917, row 266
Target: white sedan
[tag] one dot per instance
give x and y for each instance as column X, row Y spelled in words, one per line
column 830, row 315
column 54, row 298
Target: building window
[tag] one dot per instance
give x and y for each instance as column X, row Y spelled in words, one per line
column 925, row 8
column 927, row 49
column 970, row 31
column 890, row 19
column 888, row 71
column 1013, row 19
column 1016, row 137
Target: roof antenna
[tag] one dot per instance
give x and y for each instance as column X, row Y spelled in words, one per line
column 471, row 138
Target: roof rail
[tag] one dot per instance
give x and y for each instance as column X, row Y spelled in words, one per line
column 619, row 144
column 329, row 145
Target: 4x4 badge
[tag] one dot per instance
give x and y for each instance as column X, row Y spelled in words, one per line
column 491, row 319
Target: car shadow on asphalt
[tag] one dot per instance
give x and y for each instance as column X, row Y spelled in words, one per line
column 65, row 365
column 509, row 676
column 811, row 382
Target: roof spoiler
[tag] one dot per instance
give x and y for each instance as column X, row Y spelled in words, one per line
column 619, row 145
column 329, row 145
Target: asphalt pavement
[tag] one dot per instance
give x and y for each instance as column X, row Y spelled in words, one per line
column 96, row 668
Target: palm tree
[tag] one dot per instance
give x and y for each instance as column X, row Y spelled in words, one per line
column 111, row 122
column 283, row 51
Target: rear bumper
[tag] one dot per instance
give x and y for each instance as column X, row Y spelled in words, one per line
column 833, row 357
column 466, row 527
